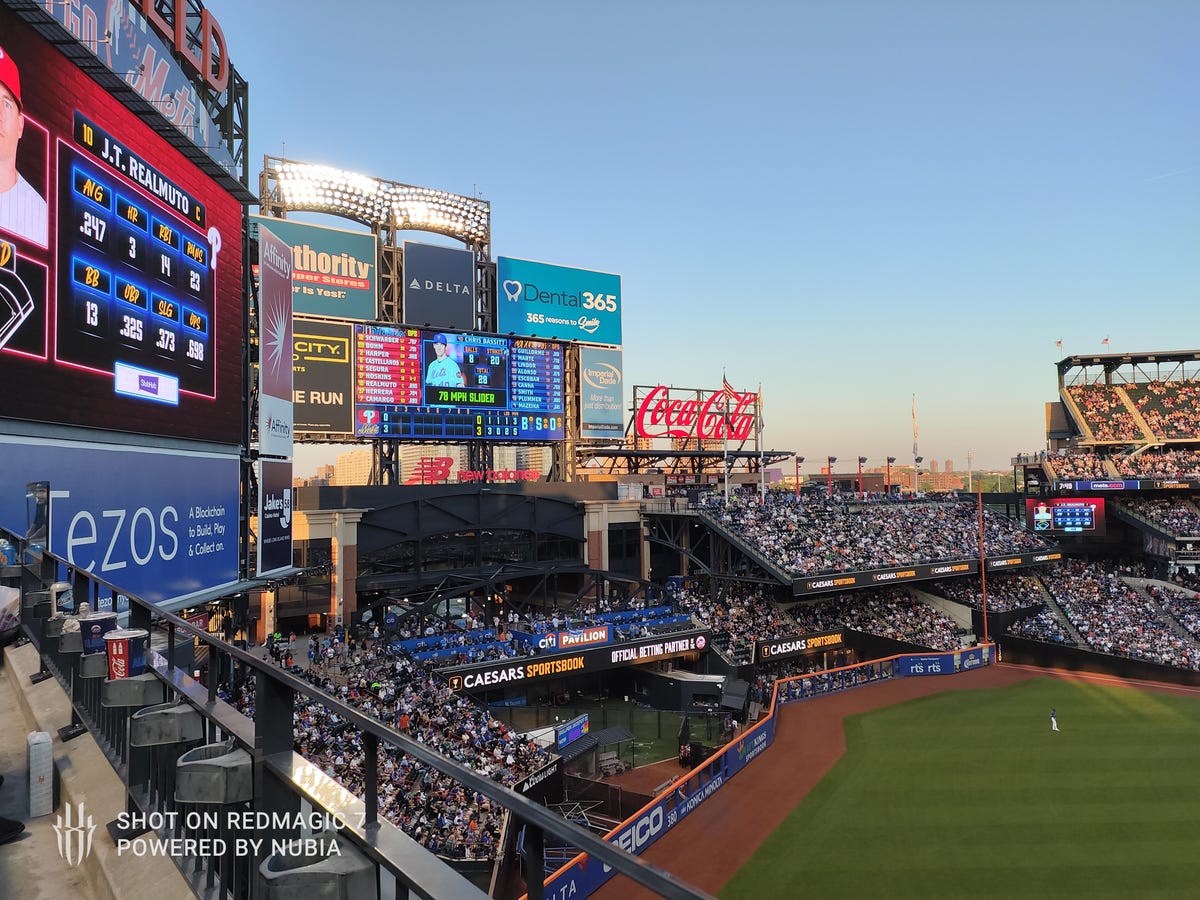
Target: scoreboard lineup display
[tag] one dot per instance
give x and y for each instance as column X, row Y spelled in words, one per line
column 419, row 384
column 1061, row 515
column 136, row 298
column 121, row 296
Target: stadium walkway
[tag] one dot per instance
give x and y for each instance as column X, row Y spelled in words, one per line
column 31, row 867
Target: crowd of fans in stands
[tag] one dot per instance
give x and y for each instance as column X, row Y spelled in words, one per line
column 1114, row 617
column 1007, row 591
column 1176, row 464
column 810, row 535
column 1105, row 413
column 1080, row 467
column 889, row 612
column 1171, row 409
column 1175, row 515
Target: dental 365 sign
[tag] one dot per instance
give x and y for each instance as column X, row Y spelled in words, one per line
column 558, row 302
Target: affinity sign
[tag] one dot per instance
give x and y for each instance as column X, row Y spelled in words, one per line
column 558, row 302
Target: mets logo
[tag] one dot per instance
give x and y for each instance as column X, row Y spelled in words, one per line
column 74, row 834
column 431, row 470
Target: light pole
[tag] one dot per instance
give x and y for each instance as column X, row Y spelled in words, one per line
column 796, row 484
column 830, row 460
column 890, row 460
column 917, row 460
column 861, row 460
column 970, row 461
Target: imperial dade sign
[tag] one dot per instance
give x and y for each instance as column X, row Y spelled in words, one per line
column 678, row 413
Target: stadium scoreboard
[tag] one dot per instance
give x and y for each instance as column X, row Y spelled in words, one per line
column 120, row 310
column 135, row 289
column 416, row 384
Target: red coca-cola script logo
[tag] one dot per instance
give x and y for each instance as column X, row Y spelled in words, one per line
column 661, row 416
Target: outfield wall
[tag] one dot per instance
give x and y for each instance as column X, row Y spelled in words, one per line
column 1076, row 659
column 582, row 876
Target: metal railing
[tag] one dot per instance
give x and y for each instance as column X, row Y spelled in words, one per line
column 284, row 783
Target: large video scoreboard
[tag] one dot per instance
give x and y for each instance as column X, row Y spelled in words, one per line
column 127, row 272
column 428, row 385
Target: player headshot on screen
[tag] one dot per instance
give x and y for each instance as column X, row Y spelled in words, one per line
column 22, row 209
column 444, row 371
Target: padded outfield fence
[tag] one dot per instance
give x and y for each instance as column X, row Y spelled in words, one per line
column 584, row 875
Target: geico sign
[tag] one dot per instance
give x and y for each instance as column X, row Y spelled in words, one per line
column 640, row 833
column 660, row 416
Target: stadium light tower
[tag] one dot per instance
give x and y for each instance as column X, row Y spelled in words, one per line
column 861, row 460
column 917, row 460
column 796, row 483
column 830, row 460
column 890, row 460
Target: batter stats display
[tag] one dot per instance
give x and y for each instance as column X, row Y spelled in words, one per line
column 442, row 385
column 127, row 309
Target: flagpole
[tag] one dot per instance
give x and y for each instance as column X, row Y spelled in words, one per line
column 762, row 472
column 725, row 431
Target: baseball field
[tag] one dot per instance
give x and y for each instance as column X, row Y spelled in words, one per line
column 972, row 793
column 957, row 786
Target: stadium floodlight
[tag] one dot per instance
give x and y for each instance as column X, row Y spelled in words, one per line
column 829, row 473
column 861, row 460
column 378, row 203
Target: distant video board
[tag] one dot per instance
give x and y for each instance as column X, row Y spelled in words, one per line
column 1066, row 515
column 121, row 262
column 441, row 385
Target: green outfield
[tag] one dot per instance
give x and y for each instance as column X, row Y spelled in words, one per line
column 969, row 793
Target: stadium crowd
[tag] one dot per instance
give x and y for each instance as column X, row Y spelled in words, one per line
column 807, row 535
column 1171, row 409
column 1176, row 515
column 1113, row 617
column 1006, row 591
column 1105, row 413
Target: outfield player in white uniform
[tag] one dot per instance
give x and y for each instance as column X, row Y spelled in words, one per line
column 22, row 209
column 1053, row 720
column 444, row 371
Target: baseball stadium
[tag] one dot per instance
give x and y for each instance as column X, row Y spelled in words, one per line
column 564, row 639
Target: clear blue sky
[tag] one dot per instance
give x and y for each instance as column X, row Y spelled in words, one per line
column 849, row 202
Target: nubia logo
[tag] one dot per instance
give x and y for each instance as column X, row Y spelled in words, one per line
column 431, row 470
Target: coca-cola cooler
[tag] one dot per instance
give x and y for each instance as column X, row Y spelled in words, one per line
column 126, row 650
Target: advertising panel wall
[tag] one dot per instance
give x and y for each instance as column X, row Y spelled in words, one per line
column 444, row 385
column 439, row 286
column 796, row 645
column 322, row 376
column 274, row 516
column 334, row 272
column 275, row 346
column 158, row 524
column 120, row 277
column 561, row 303
column 601, row 393
column 509, row 672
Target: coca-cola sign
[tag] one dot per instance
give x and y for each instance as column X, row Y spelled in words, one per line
column 700, row 414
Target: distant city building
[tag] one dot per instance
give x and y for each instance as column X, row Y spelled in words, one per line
column 353, row 467
column 933, row 467
column 949, row 465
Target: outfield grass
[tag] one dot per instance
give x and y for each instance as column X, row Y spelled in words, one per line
column 968, row 793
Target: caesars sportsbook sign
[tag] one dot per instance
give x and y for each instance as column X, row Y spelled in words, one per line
column 509, row 673
column 558, row 302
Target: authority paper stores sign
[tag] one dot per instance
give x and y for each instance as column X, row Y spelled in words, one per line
column 559, row 302
column 334, row 271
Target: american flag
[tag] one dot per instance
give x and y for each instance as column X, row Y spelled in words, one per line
column 727, row 389
column 1105, row 342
